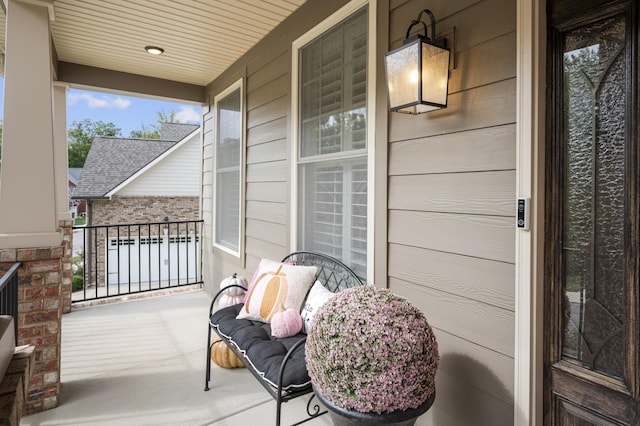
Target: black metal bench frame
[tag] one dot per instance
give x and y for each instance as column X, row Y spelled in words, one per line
column 335, row 276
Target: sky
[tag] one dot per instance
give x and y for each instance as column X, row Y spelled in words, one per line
column 126, row 112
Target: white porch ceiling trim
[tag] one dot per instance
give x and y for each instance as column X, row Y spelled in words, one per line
column 201, row 39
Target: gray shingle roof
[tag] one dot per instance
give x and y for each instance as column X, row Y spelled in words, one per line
column 113, row 160
column 176, row 131
column 74, row 174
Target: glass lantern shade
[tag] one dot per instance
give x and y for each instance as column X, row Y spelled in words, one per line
column 417, row 76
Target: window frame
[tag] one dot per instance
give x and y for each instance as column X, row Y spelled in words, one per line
column 320, row 29
column 237, row 85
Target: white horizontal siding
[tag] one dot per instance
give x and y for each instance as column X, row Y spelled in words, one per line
column 178, row 174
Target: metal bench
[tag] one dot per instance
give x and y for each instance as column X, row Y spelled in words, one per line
column 278, row 364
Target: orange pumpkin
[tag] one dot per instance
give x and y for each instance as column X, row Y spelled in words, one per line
column 224, row 357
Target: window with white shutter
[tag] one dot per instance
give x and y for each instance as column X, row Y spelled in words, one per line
column 227, row 169
column 332, row 147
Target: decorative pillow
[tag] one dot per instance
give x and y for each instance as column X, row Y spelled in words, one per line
column 253, row 279
column 317, row 297
column 251, row 283
column 277, row 287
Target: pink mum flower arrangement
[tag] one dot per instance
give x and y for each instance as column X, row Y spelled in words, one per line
column 369, row 350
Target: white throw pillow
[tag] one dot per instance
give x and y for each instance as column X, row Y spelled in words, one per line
column 317, row 297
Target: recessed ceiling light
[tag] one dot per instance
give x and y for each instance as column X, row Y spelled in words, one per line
column 154, row 50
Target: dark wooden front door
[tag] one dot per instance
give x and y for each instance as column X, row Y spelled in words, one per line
column 592, row 215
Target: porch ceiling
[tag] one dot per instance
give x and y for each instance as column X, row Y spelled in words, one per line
column 201, row 38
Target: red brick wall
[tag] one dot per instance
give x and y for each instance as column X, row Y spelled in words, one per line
column 144, row 209
column 39, row 318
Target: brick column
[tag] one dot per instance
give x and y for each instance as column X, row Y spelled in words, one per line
column 39, row 318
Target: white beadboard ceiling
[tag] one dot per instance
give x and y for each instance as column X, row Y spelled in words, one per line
column 201, row 38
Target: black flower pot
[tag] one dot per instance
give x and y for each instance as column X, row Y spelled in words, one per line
column 343, row 417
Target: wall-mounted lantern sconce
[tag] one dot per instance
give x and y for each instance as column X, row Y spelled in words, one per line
column 418, row 72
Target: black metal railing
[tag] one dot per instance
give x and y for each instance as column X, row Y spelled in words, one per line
column 9, row 295
column 114, row 260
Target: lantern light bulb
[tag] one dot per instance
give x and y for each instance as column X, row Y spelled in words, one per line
column 413, row 76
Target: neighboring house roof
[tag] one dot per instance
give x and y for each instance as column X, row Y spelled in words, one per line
column 112, row 161
column 174, row 172
column 74, row 174
column 176, row 131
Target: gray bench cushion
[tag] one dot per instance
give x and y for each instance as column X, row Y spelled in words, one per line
column 263, row 352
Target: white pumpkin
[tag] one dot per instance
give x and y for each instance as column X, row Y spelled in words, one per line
column 234, row 279
column 229, row 300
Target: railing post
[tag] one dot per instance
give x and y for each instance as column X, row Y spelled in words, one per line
column 9, row 295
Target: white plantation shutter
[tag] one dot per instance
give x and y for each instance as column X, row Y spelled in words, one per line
column 334, row 211
column 332, row 163
column 228, row 162
column 358, row 194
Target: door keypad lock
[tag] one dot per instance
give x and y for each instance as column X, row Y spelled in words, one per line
column 522, row 213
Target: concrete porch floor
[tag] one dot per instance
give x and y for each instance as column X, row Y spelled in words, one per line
column 141, row 362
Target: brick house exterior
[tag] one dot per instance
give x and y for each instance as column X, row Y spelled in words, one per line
column 130, row 209
column 140, row 181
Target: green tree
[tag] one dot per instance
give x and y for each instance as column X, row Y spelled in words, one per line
column 80, row 137
column 153, row 131
column 166, row 117
column 145, row 132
